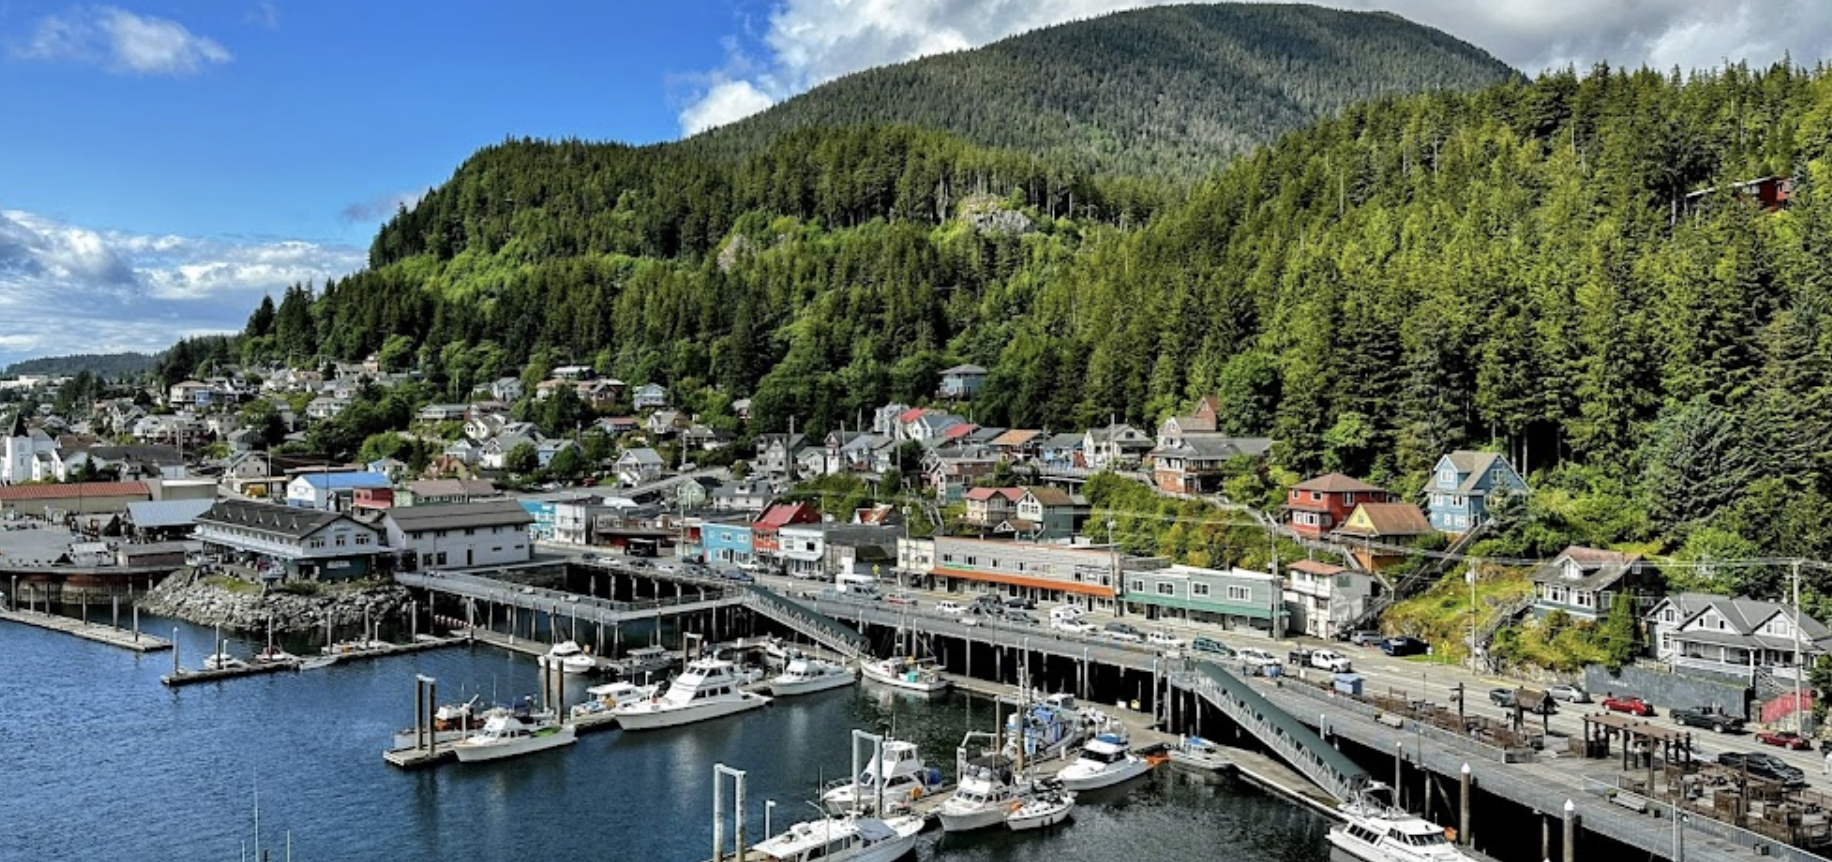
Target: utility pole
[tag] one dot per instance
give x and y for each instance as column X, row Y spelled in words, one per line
column 1800, row 665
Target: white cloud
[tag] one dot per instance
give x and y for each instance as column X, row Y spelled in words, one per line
column 810, row 42
column 70, row 289
column 122, row 41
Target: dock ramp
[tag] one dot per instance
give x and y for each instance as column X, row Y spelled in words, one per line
column 825, row 630
column 1287, row 737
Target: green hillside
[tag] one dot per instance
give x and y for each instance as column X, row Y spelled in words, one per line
column 1173, row 92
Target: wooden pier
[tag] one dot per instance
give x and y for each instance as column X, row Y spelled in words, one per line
column 184, row 676
column 97, row 632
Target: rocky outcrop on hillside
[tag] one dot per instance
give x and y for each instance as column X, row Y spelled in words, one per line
column 188, row 594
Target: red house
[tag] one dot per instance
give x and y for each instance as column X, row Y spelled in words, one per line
column 764, row 530
column 1317, row 506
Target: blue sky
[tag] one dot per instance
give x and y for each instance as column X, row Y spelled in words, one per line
column 164, row 164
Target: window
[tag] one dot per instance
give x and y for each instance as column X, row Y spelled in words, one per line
column 1348, row 499
column 1166, row 588
column 947, row 558
column 1316, row 496
column 342, row 540
column 1138, row 585
column 1447, row 477
column 1200, row 591
column 470, row 531
column 318, row 543
column 973, row 561
column 1240, row 594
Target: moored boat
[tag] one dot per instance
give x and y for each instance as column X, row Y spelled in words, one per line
column 1198, row 753
column 612, row 695
column 511, row 734
column 908, row 674
column 222, row 660
column 570, row 658
column 451, row 722
column 988, row 790
column 807, row 675
column 1106, row 760
column 905, row 778
column 1376, row 831
column 709, row 688
column 843, row 838
column 644, row 660
column 1041, row 810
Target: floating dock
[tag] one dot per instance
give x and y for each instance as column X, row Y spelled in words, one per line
column 191, row 677
column 97, row 632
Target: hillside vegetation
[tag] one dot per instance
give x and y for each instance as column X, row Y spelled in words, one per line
column 1171, row 92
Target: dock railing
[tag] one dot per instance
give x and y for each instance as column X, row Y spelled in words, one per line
column 1411, row 722
column 1285, row 735
column 829, row 632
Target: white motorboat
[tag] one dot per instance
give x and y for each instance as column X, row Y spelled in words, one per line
column 809, row 675
column 643, row 660
column 843, row 838
column 1198, row 753
column 1041, row 810
column 222, row 660
column 612, row 695
column 569, row 657
column 1106, row 760
column 906, row 673
column 708, row 688
column 511, row 734
column 451, row 722
column 274, row 655
column 906, row 779
column 1376, row 831
column 987, row 793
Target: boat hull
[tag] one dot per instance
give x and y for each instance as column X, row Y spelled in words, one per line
column 917, row 683
column 978, row 818
column 1077, row 779
column 810, row 686
column 640, row 717
column 1199, row 760
column 559, row 736
column 1037, row 817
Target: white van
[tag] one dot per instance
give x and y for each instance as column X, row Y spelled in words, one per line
column 862, row 586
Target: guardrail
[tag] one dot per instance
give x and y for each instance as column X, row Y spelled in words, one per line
column 1700, row 820
column 1277, row 729
column 1466, row 744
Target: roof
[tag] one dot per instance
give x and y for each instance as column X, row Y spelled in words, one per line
column 1189, row 424
column 1337, row 483
column 1389, row 519
column 964, row 369
column 1013, row 494
column 955, row 432
column 1064, row 441
column 1215, row 446
column 14, row 493
column 1743, row 614
column 447, row 516
column 1050, row 496
column 452, row 488
column 1472, row 466
column 1316, row 567
column 293, row 521
column 1599, row 568
column 644, row 455
column 911, row 415
column 167, row 513
column 339, row 481
column 1019, row 437
column 779, row 514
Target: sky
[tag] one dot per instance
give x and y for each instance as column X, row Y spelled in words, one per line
column 165, row 164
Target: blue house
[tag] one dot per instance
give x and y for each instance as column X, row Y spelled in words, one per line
column 962, row 381
column 1461, row 486
column 728, row 543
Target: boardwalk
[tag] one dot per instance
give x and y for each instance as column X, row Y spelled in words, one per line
column 97, row 632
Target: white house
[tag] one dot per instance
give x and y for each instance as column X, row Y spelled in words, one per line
column 330, row 490
column 1737, row 637
column 803, row 549
column 1324, row 598
column 461, row 535
column 650, row 396
column 637, row 466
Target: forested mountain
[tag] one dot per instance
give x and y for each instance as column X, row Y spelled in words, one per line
column 109, row 365
column 1519, row 267
column 1174, row 91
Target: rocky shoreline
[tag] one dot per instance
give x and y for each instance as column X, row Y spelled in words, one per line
column 189, row 594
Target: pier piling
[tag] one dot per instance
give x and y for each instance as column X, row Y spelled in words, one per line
column 1571, row 831
column 1463, row 783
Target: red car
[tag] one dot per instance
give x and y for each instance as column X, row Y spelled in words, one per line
column 1785, row 739
column 1629, row 704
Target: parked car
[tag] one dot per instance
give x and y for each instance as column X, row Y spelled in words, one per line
column 1568, row 693
column 1020, row 603
column 1629, row 704
column 1124, row 632
column 1299, row 656
column 590, row 558
column 751, row 566
column 1211, row 646
column 1256, row 660
column 1072, row 625
column 1403, row 646
column 1785, row 739
column 1020, row 618
column 1764, row 765
column 1164, row 639
column 1707, row 716
column 1330, row 660
column 1367, row 638
column 948, row 607
column 739, row 575
column 1501, row 696
column 899, row 599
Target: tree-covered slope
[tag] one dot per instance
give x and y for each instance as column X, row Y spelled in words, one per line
column 1170, row 92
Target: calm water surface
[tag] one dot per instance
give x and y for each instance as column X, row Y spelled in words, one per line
column 100, row 761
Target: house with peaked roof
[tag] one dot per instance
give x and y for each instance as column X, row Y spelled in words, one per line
column 1321, row 504
column 766, row 541
column 331, row 490
column 884, row 419
column 428, row 492
column 742, row 496
column 901, row 424
column 1206, row 419
column 1046, row 512
column 1063, row 452
column 665, row 423
column 1114, row 446
column 1017, row 444
column 845, row 451
column 931, row 426
column 1324, row 598
column 950, row 475
column 986, row 507
column 1738, row 637
column 776, row 452
column 650, row 396
column 1385, row 523
column 961, row 381
column 461, row 535
column 1195, row 463
column 285, row 542
column 1462, row 486
column 1583, row 582
column 639, row 466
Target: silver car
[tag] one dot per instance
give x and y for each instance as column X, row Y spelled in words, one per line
column 1567, row 693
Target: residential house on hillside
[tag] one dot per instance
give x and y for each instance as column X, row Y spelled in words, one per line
column 766, row 542
column 507, row 389
column 495, row 451
column 323, row 407
column 949, row 476
column 742, row 496
column 900, row 428
column 1321, row 504
column 333, row 491
column 1063, row 452
column 885, row 421
column 703, row 438
column 1194, row 463
column 1046, row 513
column 987, row 508
column 435, row 491
column 961, row 381
column 1738, row 637
column 1204, row 420
column 776, row 452
column 810, row 462
column 1385, row 524
column 741, row 408
column 442, row 413
column 664, row 423
column 1114, row 446
column 546, row 449
column 845, row 451
column 1462, row 486
column 1583, row 582
column 1018, row 445
column 931, row 427
column 650, row 396
column 640, row 466
column 1324, row 598
column 184, row 393
column 464, row 452
column 616, row 425
column 599, row 394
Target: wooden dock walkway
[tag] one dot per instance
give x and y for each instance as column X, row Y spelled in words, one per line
column 123, row 638
column 186, row 676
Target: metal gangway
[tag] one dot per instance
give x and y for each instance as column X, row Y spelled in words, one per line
column 823, row 629
column 1286, row 736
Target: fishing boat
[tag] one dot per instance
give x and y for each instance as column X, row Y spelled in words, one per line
column 1198, row 753
column 1374, row 830
column 905, row 777
column 612, row 695
column 644, row 660
column 809, row 675
column 512, row 734
column 843, row 838
column 988, row 790
column 451, row 723
column 709, row 688
column 1106, row 760
column 1050, row 728
column 1040, row 811
column 906, row 673
column 569, row 657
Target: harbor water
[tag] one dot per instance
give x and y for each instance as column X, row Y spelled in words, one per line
column 102, row 762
